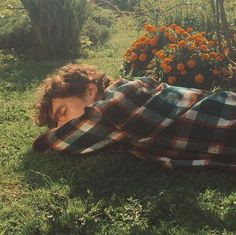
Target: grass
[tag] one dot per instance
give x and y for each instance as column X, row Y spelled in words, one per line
column 101, row 194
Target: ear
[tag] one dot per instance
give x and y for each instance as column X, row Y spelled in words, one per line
column 92, row 91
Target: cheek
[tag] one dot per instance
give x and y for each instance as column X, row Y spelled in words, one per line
column 75, row 112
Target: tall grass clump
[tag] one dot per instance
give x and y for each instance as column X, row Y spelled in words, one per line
column 58, row 24
column 185, row 13
column 225, row 28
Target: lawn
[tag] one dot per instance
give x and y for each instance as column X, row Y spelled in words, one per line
column 98, row 194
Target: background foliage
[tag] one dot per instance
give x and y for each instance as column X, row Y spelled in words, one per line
column 124, row 5
column 99, row 27
column 15, row 28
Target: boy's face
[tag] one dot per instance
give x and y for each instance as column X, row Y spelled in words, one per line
column 68, row 108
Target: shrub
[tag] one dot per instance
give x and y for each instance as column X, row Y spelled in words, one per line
column 177, row 56
column 99, row 27
column 58, row 24
column 7, row 58
column 16, row 33
column 102, row 19
column 15, row 28
column 98, row 34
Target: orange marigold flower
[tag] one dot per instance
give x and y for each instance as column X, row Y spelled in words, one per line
column 172, row 38
column 133, row 56
column 181, row 43
column 160, row 51
column 174, row 26
column 189, row 30
column 172, row 45
column 205, row 56
column 178, row 31
column 199, row 39
column 160, row 54
column 180, row 66
column 182, row 32
column 182, row 72
column 162, row 65
column 199, row 78
column 167, row 60
column 191, row 63
column 211, row 43
column 167, row 34
column 219, row 58
column 142, row 57
column 153, row 41
column 189, row 38
column 192, row 46
column 216, row 72
column 143, row 38
column 150, row 28
column 138, row 44
column 167, row 68
column 203, row 47
column 213, row 54
column 162, row 28
column 171, row 80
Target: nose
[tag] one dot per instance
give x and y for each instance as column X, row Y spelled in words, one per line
column 59, row 124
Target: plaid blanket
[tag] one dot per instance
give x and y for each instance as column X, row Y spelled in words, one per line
column 175, row 126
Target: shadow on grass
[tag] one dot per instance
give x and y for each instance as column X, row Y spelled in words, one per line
column 24, row 75
column 180, row 197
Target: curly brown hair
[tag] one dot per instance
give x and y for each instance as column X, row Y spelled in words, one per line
column 67, row 81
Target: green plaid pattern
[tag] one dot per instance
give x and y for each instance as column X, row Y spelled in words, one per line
column 175, row 126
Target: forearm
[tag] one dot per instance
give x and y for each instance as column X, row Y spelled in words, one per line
column 80, row 136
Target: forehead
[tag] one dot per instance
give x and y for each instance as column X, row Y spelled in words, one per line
column 58, row 103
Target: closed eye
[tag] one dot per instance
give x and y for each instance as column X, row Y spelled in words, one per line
column 60, row 113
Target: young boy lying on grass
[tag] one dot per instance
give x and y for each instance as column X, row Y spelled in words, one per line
column 174, row 126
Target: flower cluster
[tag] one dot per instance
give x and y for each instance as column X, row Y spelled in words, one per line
column 143, row 50
column 177, row 56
